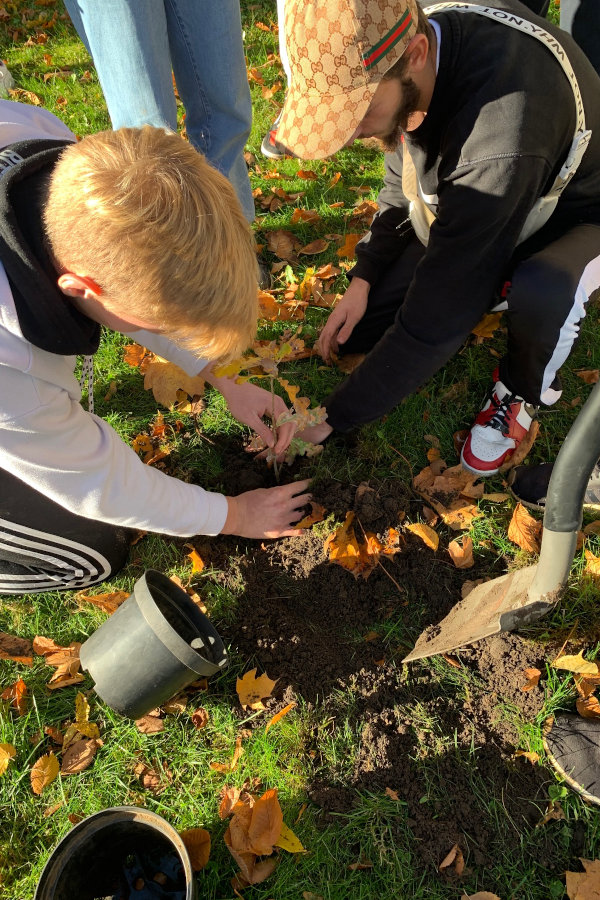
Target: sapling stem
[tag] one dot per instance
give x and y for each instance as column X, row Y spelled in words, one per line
column 274, row 425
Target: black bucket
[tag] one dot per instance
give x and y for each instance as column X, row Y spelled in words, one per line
column 119, row 853
column 155, row 644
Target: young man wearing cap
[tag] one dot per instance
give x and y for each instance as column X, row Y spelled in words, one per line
column 491, row 120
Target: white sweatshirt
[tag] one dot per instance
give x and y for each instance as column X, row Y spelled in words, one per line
column 47, row 439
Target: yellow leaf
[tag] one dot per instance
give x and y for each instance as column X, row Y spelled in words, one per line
column 108, row 602
column 196, row 559
column 197, row 844
column 230, row 766
column 82, row 709
column 7, row 752
column 488, row 325
column 287, row 840
column 461, row 552
column 576, row 664
column 164, row 379
column 252, row 690
column 44, row 772
column 592, row 565
column 282, row 712
column 429, row 537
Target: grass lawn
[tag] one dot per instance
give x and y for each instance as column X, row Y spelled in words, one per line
column 442, row 739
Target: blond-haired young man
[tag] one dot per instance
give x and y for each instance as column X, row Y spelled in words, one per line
column 135, row 231
column 491, row 120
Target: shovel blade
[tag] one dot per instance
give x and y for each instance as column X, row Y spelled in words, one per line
column 502, row 604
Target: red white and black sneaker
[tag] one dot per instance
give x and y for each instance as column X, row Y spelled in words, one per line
column 270, row 146
column 498, row 430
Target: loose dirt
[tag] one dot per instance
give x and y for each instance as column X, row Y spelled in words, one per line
column 442, row 737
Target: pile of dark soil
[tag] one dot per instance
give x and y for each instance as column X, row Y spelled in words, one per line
column 431, row 733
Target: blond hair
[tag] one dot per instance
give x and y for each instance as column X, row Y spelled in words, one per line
column 161, row 232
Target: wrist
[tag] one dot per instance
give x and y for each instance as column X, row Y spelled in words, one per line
column 231, row 521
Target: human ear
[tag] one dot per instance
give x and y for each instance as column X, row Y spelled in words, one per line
column 417, row 53
column 79, row 286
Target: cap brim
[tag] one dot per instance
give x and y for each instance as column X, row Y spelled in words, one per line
column 315, row 125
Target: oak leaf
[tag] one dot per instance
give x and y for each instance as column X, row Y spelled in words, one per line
column 524, row 530
column 461, row 552
column 197, row 844
column 44, row 772
column 278, row 716
column 429, row 537
column 7, row 752
column 16, row 648
column 584, row 885
column 252, row 690
column 576, row 664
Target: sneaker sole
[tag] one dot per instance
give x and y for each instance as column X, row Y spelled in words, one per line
column 271, row 154
column 482, row 474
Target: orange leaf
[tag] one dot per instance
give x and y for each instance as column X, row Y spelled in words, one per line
column 230, row 766
column 461, row 552
column 318, row 246
column 282, row 712
column 524, row 530
column 523, row 449
column 197, row 844
column 252, row 690
column 393, row 795
column 283, row 244
column 348, row 248
column 592, row 565
column 586, row 885
column 529, row 755
column 429, row 537
column 589, row 376
column 307, row 175
column 229, row 798
column 265, row 824
column 17, row 695
column 488, row 325
column 588, row 707
column 335, row 178
column 108, row 602
column 197, row 561
column 533, row 676
column 455, row 858
column 44, row 772
column 309, row 216
column 316, row 514
column 133, row 354
column 200, row 718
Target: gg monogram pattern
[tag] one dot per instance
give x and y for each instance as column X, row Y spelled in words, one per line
column 338, row 51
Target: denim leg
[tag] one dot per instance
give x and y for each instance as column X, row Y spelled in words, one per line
column 129, row 44
column 205, row 37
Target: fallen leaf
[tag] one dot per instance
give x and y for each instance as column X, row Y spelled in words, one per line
column 252, row 690
column 584, row 885
column 108, row 602
column 283, row 244
column 229, row 798
column 16, row 648
column 589, row 707
column 488, row 325
column 150, row 778
column 523, row 449
column 25, row 96
column 316, row 514
column 593, row 527
column 197, row 844
column 176, row 704
column 586, row 685
column 533, row 676
column 348, row 248
column 480, row 895
column 44, row 772
column 16, row 694
column 524, row 530
column 393, row 795
column 307, row 175
column 592, row 564
column 429, row 537
column 164, row 379
column 265, row 824
column 278, row 716
column 577, row 664
column 7, row 752
column 308, row 895
column 362, row 864
column 461, row 552
column 454, row 858
column 529, row 755
column 230, row 766
column 196, row 559
column 149, row 724
column 589, row 376
column 315, row 247
column 451, row 661
column 287, row 840
column 78, row 757
column 50, row 810
column 200, row 718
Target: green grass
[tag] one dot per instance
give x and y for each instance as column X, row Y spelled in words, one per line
column 322, row 736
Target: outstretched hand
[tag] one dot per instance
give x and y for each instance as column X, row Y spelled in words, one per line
column 344, row 318
column 267, row 512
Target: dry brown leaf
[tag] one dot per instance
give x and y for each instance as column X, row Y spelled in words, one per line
column 252, row 690
column 133, row 354
column 283, row 244
column 200, row 718
column 592, row 564
column 278, row 716
column 197, row 844
column 229, row 798
column 307, row 175
column 429, row 537
column 529, row 755
column 488, row 325
column 176, row 704
column 451, row 661
column 589, row 707
column 593, row 527
column 230, row 766
column 480, row 895
column 16, row 648
column 586, row 684
column 25, row 96
column 149, row 724
column 454, row 858
column 265, row 824
column 524, row 530
column 461, row 552
column 7, row 752
column 316, row 514
column 108, row 602
column 78, row 757
column 55, row 734
column 50, row 810
column 589, row 376
column 533, row 676
column 523, row 449
column 393, row 795
column 44, row 772
column 348, row 248
column 150, row 778
column 164, row 379
column 584, row 885
column 318, row 246
column 576, row 664
column 360, row 865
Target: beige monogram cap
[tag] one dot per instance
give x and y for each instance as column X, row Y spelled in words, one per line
column 338, row 51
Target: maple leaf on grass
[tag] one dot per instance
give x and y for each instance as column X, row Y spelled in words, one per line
column 584, row 885
column 252, row 690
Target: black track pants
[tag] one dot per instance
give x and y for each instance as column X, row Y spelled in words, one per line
column 552, row 280
column 44, row 547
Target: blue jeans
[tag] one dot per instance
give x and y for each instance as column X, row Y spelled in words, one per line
column 136, row 43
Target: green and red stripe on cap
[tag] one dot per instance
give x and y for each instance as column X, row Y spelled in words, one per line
column 388, row 41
